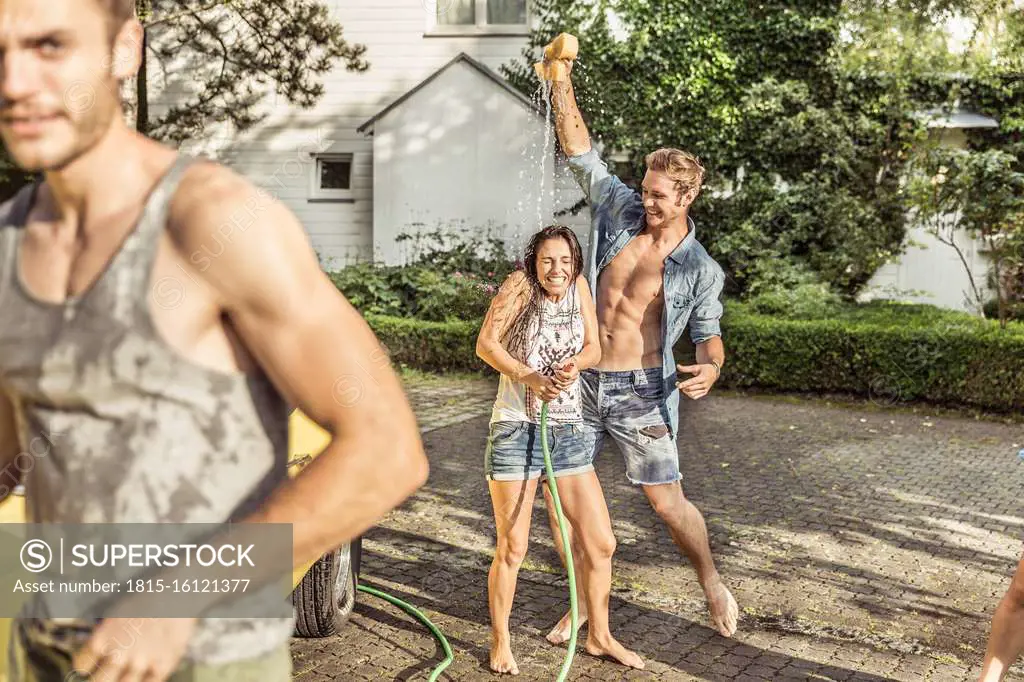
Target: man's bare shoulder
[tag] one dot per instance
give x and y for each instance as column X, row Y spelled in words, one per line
column 209, row 190
column 247, row 234
column 215, row 205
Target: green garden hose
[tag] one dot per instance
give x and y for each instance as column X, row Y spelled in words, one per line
column 553, row 486
column 412, row 610
column 565, row 543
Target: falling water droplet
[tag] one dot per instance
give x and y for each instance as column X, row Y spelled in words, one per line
column 545, row 152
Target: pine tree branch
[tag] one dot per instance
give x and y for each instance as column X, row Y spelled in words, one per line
column 175, row 17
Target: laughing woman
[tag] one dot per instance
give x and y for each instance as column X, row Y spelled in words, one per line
column 539, row 333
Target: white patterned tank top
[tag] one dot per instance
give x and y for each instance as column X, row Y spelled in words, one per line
column 553, row 336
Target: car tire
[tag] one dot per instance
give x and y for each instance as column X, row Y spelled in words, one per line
column 324, row 600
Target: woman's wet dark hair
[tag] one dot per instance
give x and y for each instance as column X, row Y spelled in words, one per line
column 515, row 338
column 552, row 232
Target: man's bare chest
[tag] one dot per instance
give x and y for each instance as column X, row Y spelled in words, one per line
column 636, row 274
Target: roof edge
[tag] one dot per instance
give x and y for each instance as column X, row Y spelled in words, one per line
column 461, row 57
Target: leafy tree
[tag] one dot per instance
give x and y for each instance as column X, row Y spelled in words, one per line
column 229, row 49
column 214, row 61
column 680, row 76
column 805, row 114
column 821, row 184
column 751, row 87
column 982, row 193
column 977, row 190
column 911, row 38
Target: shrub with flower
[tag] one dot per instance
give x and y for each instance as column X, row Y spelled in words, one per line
column 443, row 285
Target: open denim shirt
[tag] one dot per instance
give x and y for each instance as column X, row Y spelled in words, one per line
column 692, row 281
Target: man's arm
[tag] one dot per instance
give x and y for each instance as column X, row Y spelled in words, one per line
column 322, row 356
column 10, row 476
column 706, row 333
column 572, row 132
column 599, row 185
column 590, row 354
column 712, row 352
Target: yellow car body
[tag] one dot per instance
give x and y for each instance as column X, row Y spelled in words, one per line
column 306, row 440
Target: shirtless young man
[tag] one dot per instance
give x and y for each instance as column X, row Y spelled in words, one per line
column 169, row 372
column 652, row 280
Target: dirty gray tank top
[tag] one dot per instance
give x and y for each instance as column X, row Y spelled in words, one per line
column 135, row 432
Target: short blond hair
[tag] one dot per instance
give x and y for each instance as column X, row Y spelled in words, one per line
column 683, row 168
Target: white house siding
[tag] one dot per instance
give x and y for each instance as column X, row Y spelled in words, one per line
column 929, row 271
column 462, row 155
column 400, row 57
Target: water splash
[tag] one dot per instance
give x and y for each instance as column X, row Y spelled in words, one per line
column 537, row 158
column 528, row 154
column 534, row 154
column 545, row 88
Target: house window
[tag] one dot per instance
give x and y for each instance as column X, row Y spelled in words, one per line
column 506, row 12
column 480, row 16
column 332, row 177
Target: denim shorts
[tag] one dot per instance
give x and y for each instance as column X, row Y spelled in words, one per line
column 514, row 451
column 630, row 406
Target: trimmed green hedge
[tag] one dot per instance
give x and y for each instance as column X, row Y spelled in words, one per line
column 889, row 355
column 431, row 346
column 957, row 361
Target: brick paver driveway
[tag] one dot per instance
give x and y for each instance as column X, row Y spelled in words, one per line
column 861, row 544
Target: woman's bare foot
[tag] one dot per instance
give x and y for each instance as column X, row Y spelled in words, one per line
column 723, row 608
column 609, row 646
column 502, row 660
column 560, row 633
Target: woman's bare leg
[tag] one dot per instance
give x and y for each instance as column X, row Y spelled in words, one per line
column 513, row 504
column 584, row 506
column 563, row 629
